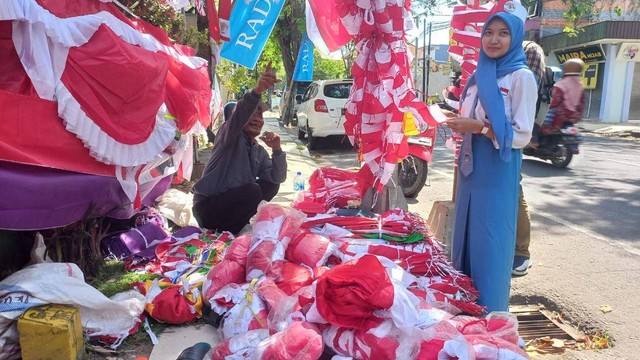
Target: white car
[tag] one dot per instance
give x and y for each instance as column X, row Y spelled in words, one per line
column 322, row 110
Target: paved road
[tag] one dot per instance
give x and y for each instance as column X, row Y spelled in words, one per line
column 585, row 234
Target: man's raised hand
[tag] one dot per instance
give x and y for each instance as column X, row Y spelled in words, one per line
column 267, row 80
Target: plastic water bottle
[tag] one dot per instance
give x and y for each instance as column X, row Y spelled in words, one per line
column 298, row 182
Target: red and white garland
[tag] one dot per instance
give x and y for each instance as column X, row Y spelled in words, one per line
column 382, row 88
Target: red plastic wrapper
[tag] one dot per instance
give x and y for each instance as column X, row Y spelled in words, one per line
column 249, row 311
column 238, row 249
column 271, row 293
column 300, row 341
column 172, row 303
column 294, row 277
column 275, row 222
column 495, row 336
column 348, row 294
column 265, row 258
column 384, row 342
column 241, row 346
column 442, row 341
column 309, row 249
column 226, row 272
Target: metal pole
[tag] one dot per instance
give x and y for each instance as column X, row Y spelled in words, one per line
column 589, row 107
column 424, row 58
column 415, row 67
column 426, row 92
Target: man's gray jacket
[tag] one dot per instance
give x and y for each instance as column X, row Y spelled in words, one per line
column 236, row 160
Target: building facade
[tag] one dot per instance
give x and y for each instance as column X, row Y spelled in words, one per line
column 608, row 40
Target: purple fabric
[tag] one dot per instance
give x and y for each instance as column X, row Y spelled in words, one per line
column 127, row 243
column 33, row 197
column 149, row 253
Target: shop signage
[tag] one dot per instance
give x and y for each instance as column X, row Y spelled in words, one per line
column 629, row 52
column 591, row 53
column 590, row 76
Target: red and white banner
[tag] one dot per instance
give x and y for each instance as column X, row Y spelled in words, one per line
column 325, row 29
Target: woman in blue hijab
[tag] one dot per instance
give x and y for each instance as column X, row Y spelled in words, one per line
column 499, row 102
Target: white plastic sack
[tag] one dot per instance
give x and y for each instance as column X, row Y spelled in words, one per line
column 63, row 283
column 176, row 206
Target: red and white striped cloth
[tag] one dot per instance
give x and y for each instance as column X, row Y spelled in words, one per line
column 382, row 86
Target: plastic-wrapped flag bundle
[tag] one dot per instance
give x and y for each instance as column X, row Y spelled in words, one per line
column 353, row 292
column 329, row 187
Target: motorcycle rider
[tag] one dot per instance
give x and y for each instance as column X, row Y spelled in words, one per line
column 567, row 101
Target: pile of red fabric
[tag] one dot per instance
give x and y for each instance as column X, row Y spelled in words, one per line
column 329, row 187
column 362, row 296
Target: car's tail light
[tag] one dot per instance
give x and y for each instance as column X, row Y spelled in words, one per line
column 320, row 106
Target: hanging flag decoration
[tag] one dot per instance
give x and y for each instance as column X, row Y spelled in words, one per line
column 325, row 29
column 251, row 24
column 467, row 22
column 224, row 12
column 304, row 65
column 382, row 85
column 200, row 7
column 214, row 22
column 115, row 93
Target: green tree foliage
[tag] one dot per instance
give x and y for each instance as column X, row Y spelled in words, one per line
column 326, row 68
column 578, row 10
column 272, row 53
column 236, row 79
column 157, row 13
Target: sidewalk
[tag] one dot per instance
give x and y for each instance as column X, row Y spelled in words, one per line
column 177, row 338
column 631, row 128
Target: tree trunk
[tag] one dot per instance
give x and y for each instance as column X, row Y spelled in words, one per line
column 289, row 38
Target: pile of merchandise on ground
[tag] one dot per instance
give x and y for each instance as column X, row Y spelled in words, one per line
column 323, row 284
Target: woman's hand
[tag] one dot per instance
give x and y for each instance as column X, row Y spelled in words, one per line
column 464, row 124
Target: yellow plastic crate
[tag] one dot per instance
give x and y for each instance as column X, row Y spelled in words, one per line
column 51, row 332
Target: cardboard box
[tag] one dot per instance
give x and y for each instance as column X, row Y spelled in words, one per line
column 51, row 332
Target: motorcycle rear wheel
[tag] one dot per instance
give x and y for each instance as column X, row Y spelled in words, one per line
column 561, row 157
column 412, row 175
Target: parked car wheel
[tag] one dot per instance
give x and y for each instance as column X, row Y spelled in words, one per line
column 313, row 141
column 300, row 134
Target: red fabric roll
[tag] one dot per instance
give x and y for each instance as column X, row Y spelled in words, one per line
column 348, row 294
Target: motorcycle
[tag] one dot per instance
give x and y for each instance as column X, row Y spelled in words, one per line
column 413, row 171
column 558, row 146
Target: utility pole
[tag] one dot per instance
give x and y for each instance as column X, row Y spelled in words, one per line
column 424, row 58
column 426, row 89
column 415, row 68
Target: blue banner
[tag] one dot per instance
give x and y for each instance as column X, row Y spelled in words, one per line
column 304, row 65
column 251, row 24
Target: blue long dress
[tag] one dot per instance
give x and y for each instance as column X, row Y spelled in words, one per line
column 484, row 234
column 484, row 244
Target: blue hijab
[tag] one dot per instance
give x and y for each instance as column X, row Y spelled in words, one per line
column 486, row 77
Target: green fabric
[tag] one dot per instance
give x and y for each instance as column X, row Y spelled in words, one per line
column 411, row 239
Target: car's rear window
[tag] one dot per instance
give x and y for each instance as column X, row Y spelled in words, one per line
column 337, row 91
